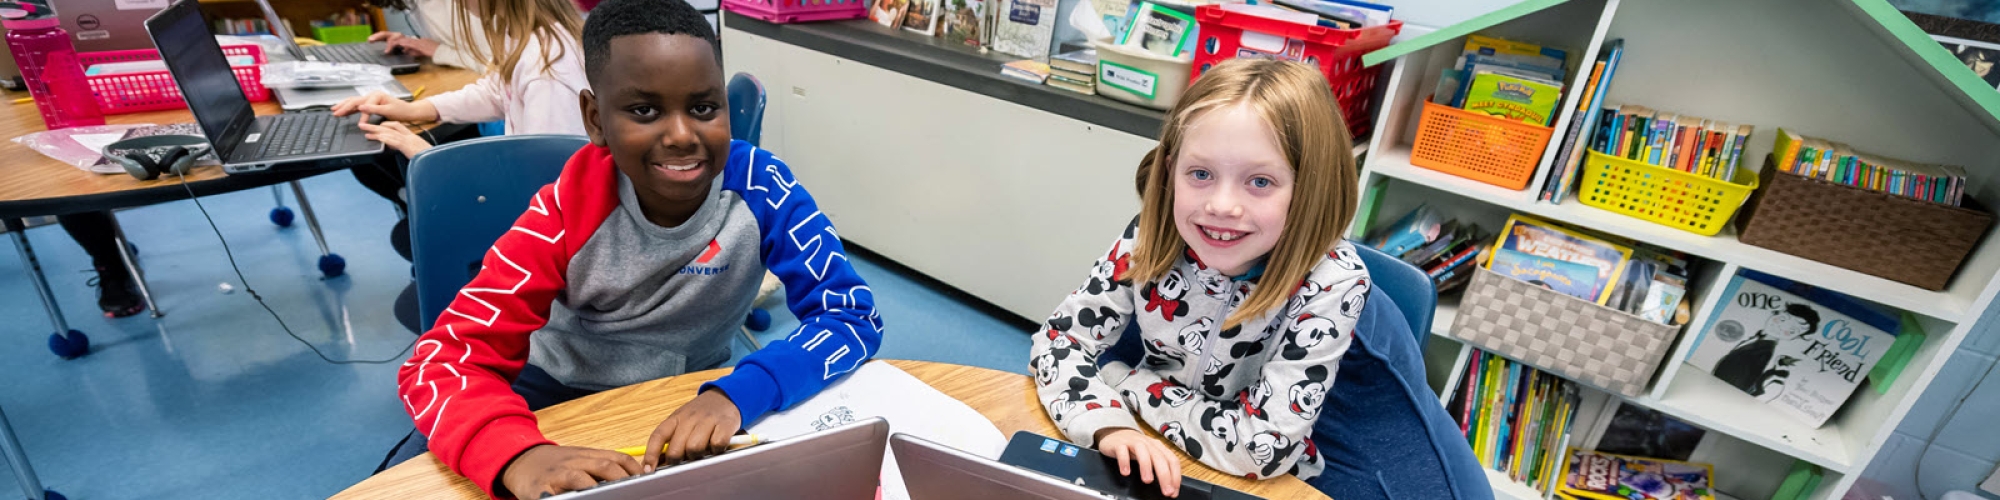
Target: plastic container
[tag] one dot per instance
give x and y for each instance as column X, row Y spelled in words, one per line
column 155, row 90
column 1224, row 34
column 1140, row 77
column 49, row 66
column 797, row 11
column 1694, row 203
column 331, row 35
column 1478, row 146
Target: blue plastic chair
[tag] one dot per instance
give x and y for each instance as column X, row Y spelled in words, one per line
column 746, row 108
column 463, row 197
column 1410, row 288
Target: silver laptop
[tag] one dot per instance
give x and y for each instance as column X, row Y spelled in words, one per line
column 363, row 53
column 324, row 98
column 933, row 471
column 101, row 25
column 244, row 141
column 842, row 463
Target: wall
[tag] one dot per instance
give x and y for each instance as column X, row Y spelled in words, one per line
column 1967, row 447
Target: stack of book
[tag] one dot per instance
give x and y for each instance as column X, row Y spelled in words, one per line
column 1027, row 70
column 1602, row 476
column 1074, row 70
column 1569, row 159
column 1615, row 273
column 1835, row 162
column 1515, row 80
column 1517, row 418
column 1709, row 148
column 1342, row 14
column 1445, row 249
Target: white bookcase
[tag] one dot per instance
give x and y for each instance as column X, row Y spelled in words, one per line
column 1823, row 68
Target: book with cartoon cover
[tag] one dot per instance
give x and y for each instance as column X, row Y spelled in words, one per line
column 1570, row 278
column 1802, row 356
column 1603, row 476
column 1533, row 237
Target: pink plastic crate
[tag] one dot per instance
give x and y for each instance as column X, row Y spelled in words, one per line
column 794, row 11
column 155, row 90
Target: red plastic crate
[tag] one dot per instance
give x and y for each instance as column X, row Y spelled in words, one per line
column 155, row 90
column 1223, row 35
column 795, row 11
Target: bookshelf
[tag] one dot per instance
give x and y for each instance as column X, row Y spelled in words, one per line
column 1849, row 69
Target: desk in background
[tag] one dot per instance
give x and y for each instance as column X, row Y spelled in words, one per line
column 626, row 415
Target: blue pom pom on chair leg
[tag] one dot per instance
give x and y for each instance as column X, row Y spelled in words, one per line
column 759, row 320
column 52, row 495
column 332, row 266
column 71, row 346
column 282, row 216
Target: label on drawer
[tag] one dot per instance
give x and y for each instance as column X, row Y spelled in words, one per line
column 1127, row 78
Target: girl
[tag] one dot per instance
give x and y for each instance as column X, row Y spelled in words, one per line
column 534, row 73
column 1244, row 295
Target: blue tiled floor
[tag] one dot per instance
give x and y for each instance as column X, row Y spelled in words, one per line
column 214, row 401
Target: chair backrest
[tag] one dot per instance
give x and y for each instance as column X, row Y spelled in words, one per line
column 746, row 108
column 464, row 196
column 1408, row 286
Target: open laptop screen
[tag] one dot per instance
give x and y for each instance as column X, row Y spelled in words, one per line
column 202, row 73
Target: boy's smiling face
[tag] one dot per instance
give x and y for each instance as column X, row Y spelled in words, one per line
column 661, row 109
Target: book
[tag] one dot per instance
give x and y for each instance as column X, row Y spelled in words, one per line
column 1534, row 237
column 1487, row 45
column 1082, row 61
column 1513, row 97
column 1600, row 85
column 1028, row 70
column 1801, row 357
column 1025, row 28
column 1413, row 229
column 888, row 12
column 1603, row 476
column 1160, row 30
column 1117, row 15
column 1057, row 80
column 1643, row 432
column 1570, row 278
column 962, row 23
column 1354, row 12
column 921, row 17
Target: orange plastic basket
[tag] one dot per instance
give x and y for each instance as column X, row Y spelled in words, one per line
column 1476, row 146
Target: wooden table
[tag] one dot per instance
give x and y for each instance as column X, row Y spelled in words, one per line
column 35, row 185
column 626, row 415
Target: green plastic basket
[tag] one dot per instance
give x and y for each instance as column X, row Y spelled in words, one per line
column 343, row 34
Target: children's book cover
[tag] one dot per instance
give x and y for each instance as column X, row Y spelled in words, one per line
column 1025, row 28
column 1160, row 29
column 888, row 12
column 1796, row 355
column 1603, row 476
column 1520, row 99
column 1570, row 278
column 922, row 17
column 1534, row 237
column 961, row 20
column 1643, row 432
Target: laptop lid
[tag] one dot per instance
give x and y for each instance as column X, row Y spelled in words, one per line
column 203, row 75
column 933, row 471
column 101, row 25
column 1086, row 467
column 280, row 30
column 842, row 463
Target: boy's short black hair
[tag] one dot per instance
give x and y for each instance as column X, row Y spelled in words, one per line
column 616, row 18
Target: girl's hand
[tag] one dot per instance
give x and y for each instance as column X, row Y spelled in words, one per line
column 414, row 46
column 1155, row 459
column 397, row 137
column 381, row 103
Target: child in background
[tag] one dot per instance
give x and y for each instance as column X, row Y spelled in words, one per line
column 1243, row 292
column 640, row 262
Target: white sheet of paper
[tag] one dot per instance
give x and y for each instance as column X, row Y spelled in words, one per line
column 911, row 407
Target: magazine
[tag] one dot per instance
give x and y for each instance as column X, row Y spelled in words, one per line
column 1603, row 476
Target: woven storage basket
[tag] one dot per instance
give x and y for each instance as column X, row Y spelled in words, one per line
column 1879, row 234
column 1575, row 338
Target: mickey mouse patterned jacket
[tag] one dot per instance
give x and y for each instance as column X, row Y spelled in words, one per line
column 1241, row 400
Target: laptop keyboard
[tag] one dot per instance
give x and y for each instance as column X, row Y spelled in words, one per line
column 363, row 53
column 306, row 134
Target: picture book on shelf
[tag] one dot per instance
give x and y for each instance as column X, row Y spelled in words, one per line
column 1504, row 93
column 1570, row 278
column 1603, row 476
column 1533, row 237
column 1028, row 70
column 961, row 19
column 1025, row 28
column 1800, row 356
column 1160, row 29
column 921, row 17
column 888, row 12
column 1517, row 419
column 1644, row 432
column 1117, row 15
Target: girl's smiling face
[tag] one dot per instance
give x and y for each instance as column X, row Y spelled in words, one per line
column 1232, row 188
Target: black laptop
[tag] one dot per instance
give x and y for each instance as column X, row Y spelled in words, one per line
column 1087, row 468
column 247, row 142
column 361, row 53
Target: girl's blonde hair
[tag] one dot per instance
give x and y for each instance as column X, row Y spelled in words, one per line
column 1295, row 100
column 508, row 26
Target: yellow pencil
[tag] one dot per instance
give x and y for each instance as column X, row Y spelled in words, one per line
column 734, row 443
column 419, row 94
column 24, row 100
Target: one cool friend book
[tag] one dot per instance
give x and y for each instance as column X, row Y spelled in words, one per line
column 1803, row 355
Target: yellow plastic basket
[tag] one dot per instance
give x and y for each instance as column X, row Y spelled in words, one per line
column 1693, row 203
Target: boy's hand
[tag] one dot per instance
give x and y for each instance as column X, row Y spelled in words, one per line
column 397, row 137
column 381, row 103
column 700, row 428
column 1155, row 459
column 549, row 469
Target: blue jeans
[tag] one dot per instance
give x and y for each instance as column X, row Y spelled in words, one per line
column 534, row 385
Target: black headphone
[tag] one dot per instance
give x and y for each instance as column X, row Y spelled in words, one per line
column 142, row 166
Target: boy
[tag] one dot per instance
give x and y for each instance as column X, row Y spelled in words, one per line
column 638, row 263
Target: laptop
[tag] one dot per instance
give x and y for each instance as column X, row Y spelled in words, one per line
column 842, row 463
column 246, row 142
column 362, row 53
column 306, row 99
column 101, row 25
column 933, row 471
column 1085, row 467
